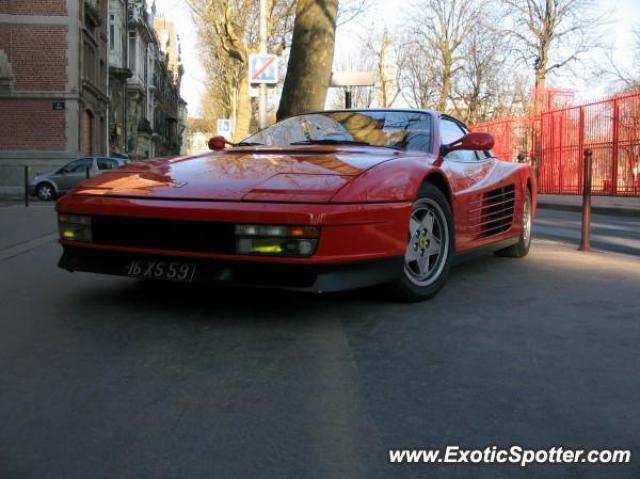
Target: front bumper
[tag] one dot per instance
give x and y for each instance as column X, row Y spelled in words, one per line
column 326, row 277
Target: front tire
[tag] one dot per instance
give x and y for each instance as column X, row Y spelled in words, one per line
column 45, row 192
column 521, row 248
column 430, row 247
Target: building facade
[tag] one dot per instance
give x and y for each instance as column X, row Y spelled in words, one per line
column 53, row 83
column 83, row 77
column 198, row 133
column 119, row 72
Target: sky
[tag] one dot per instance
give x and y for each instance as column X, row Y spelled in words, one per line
column 624, row 15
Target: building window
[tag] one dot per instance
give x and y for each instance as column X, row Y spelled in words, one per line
column 103, row 75
column 112, row 32
column 132, row 51
column 90, row 63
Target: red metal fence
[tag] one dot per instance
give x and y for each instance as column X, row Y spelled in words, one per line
column 610, row 127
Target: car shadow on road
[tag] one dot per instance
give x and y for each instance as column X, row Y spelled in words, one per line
column 209, row 302
column 482, row 286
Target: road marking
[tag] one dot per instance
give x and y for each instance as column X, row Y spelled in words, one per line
column 22, row 248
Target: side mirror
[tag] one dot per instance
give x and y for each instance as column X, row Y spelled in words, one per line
column 217, row 143
column 471, row 141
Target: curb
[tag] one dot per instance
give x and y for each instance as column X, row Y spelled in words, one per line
column 600, row 210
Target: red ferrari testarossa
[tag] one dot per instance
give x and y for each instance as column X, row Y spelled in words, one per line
column 321, row 201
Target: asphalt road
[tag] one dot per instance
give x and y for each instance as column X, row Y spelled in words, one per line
column 620, row 234
column 110, row 377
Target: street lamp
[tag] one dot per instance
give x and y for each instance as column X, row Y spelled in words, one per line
column 350, row 79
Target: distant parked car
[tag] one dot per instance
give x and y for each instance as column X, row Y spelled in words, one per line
column 48, row 186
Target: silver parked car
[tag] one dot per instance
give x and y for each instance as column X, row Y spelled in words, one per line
column 48, row 186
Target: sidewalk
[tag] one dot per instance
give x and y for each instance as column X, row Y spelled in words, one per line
column 20, row 225
column 609, row 205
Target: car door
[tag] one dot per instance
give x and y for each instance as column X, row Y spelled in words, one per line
column 470, row 173
column 73, row 173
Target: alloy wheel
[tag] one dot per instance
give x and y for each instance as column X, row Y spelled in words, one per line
column 428, row 245
column 45, row 192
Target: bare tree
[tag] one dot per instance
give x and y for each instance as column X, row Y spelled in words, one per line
column 551, row 35
column 229, row 34
column 310, row 58
column 488, row 82
column 379, row 54
column 439, row 28
column 417, row 75
column 625, row 78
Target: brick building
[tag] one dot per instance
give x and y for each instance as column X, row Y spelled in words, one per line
column 85, row 77
column 53, row 83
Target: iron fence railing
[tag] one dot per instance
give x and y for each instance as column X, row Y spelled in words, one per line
column 609, row 127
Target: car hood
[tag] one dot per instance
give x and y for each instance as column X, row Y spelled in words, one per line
column 295, row 174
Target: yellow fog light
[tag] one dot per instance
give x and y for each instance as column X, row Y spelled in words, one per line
column 267, row 249
column 276, row 246
column 68, row 234
column 75, row 227
column 276, row 240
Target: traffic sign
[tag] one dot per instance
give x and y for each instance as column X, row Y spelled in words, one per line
column 263, row 69
column 224, row 127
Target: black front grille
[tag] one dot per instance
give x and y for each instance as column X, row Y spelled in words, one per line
column 178, row 235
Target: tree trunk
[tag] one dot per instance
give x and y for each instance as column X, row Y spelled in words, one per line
column 538, row 101
column 445, row 88
column 311, row 58
column 244, row 108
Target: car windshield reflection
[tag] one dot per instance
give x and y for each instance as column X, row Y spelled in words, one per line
column 404, row 130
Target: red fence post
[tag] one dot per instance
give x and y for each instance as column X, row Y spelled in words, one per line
column 560, row 148
column 586, row 201
column 580, row 147
column 614, row 147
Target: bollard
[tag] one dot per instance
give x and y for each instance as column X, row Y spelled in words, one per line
column 586, row 201
column 26, row 185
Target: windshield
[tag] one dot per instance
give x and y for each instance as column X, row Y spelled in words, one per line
column 404, row 130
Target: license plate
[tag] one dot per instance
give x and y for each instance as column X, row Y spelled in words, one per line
column 159, row 269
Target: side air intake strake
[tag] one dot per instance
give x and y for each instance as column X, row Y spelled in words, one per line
column 495, row 211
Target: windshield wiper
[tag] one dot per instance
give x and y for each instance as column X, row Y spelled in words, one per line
column 248, row 143
column 328, row 141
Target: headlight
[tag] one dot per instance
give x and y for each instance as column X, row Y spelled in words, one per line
column 274, row 240
column 74, row 227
